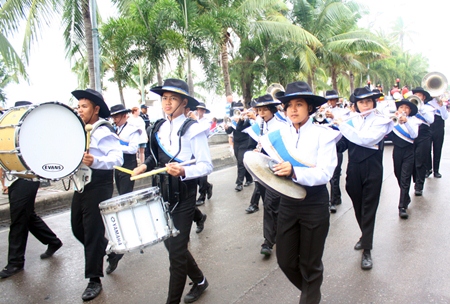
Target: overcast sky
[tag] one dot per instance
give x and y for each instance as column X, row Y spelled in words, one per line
column 51, row 79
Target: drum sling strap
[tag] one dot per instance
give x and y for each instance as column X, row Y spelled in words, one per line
column 170, row 186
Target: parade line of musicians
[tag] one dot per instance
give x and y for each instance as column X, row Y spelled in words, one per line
column 306, row 136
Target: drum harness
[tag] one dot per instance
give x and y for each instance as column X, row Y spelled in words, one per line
column 95, row 126
column 169, row 184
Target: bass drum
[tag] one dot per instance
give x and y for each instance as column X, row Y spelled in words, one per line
column 44, row 141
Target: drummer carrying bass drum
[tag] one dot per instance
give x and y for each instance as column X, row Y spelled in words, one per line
column 307, row 155
column 173, row 140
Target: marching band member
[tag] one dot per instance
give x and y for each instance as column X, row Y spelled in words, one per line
column 240, row 146
column 307, row 154
column 173, row 140
column 268, row 122
column 333, row 113
column 405, row 131
column 422, row 143
column 24, row 220
column 129, row 142
column 437, row 136
column 363, row 137
column 87, row 224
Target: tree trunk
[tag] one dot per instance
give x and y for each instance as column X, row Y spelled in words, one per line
column 225, row 70
column 89, row 42
column 122, row 100
column 334, row 79
column 247, row 91
column 159, row 76
column 352, row 82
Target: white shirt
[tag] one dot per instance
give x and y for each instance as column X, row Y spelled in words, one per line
column 105, row 147
column 367, row 131
column 129, row 136
column 411, row 127
column 427, row 112
column 314, row 145
column 139, row 123
column 439, row 110
column 193, row 143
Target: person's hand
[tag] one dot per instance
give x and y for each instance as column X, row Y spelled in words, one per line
column 402, row 119
column 139, row 170
column 251, row 115
column 175, row 169
column 338, row 121
column 283, row 169
column 88, row 159
column 328, row 114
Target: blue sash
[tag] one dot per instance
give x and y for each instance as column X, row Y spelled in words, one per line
column 402, row 132
column 254, row 131
column 165, row 151
column 280, row 117
column 277, row 143
column 421, row 118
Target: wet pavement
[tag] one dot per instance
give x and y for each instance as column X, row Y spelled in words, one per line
column 410, row 256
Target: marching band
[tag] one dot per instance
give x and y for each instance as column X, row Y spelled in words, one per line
column 304, row 140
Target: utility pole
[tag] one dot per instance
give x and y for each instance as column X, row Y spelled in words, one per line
column 95, row 45
column 190, row 81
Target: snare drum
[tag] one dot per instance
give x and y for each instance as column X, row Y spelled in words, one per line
column 41, row 141
column 136, row 220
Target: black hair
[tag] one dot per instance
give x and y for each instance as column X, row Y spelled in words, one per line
column 310, row 107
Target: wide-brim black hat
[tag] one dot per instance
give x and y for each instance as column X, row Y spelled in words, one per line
column 412, row 106
column 176, row 86
column 22, row 103
column 365, row 92
column 265, row 100
column 422, row 90
column 118, row 109
column 96, row 98
column 300, row 89
column 202, row 105
column 331, row 94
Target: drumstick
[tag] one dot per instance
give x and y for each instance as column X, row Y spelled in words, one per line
column 123, row 169
column 88, row 129
column 161, row 170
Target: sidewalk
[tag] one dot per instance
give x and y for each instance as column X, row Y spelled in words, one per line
column 54, row 197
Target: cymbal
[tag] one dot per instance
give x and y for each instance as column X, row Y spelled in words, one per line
column 258, row 165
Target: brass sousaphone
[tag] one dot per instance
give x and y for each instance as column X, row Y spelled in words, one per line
column 259, row 166
column 435, row 83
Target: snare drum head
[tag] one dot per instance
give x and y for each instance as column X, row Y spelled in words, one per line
column 52, row 140
column 128, row 199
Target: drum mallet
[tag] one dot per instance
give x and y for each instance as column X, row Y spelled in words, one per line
column 161, row 170
column 88, row 129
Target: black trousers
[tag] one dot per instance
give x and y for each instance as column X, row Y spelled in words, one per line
column 87, row 222
column 302, row 230
column 258, row 192
column 422, row 151
column 271, row 203
column 403, row 169
column 239, row 151
column 363, row 185
column 22, row 194
column 437, row 141
column 182, row 263
column 335, row 181
column 123, row 183
column 203, row 185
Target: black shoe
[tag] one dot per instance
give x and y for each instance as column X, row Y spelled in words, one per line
column 252, row 209
column 195, row 292
column 92, row 291
column 366, row 261
column 113, row 259
column 418, row 192
column 427, row 173
column 51, row 249
column 437, row 175
column 9, row 271
column 266, row 249
column 201, row 224
column 209, row 192
column 402, row 214
column 199, row 202
column 238, row 188
column 248, row 183
column 358, row 245
column 333, row 208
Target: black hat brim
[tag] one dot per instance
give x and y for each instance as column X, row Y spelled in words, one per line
column 413, row 107
column 207, row 111
column 314, row 100
column 104, row 110
column 267, row 103
column 192, row 102
column 427, row 95
column 120, row 111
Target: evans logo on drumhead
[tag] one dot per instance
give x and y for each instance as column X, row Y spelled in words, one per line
column 52, row 167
